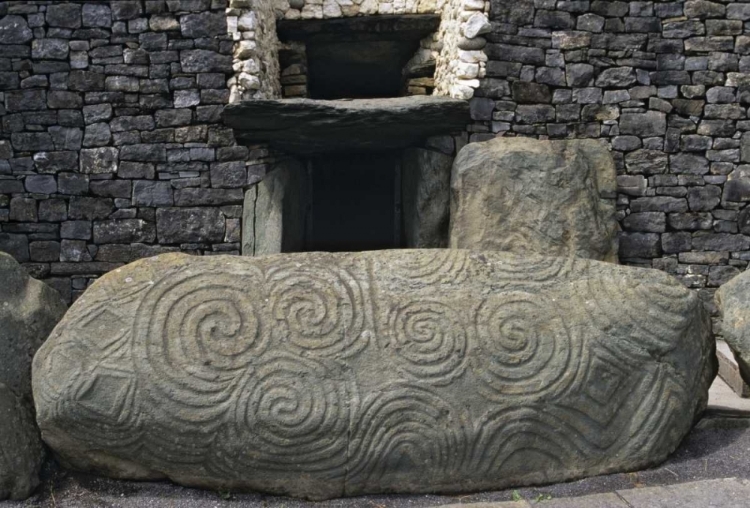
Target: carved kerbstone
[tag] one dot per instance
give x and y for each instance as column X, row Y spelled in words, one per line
column 523, row 195
column 324, row 375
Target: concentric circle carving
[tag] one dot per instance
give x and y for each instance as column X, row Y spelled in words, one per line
column 428, row 339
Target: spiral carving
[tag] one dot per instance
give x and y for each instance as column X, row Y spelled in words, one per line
column 318, row 307
column 295, row 412
column 649, row 313
column 526, row 346
column 195, row 333
column 428, row 340
column 432, row 266
column 405, row 423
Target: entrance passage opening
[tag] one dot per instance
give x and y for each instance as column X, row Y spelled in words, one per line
column 363, row 57
column 355, row 202
column 358, row 69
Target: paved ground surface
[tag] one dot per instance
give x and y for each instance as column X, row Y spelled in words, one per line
column 718, row 448
column 723, row 493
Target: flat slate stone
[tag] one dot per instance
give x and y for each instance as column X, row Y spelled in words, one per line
column 383, row 27
column 324, row 375
column 525, row 195
column 308, row 127
column 733, row 300
column 29, row 310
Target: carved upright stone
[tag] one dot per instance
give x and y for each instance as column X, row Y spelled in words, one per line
column 733, row 299
column 29, row 310
column 324, row 375
column 524, row 195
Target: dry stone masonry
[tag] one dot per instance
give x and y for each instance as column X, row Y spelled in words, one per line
column 322, row 375
column 111, row 146
column 455, row 48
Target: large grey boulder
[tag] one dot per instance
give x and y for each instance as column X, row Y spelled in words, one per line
column 29, row 310
column 733, row 299
column 323, row 375
column 525, row 195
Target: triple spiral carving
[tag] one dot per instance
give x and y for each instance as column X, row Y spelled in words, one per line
column 526, row 347
column 428, row 339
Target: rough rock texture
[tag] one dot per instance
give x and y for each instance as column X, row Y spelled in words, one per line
column 426, row 198
column 306, row 126
column 321, row 375
column 529, row 196
column 29, row 310
column 275, row 209
column 733, row 299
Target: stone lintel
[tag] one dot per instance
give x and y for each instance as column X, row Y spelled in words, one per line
column 309, row 127
column 390, row 27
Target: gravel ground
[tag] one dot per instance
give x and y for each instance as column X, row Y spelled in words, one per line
column 719, row 447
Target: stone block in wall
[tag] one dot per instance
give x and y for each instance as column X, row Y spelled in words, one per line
column 15, row 245
column 640, row 245
column 651, row 123
column 506, row 195
column 201, row 60
column 426, row 177
column 207, row 197
column 189, row 225
column 99, row 160
column 152, row 193
column 124, row 231
column 14, row 30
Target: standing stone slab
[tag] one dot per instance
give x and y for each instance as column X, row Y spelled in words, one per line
column 323, row 375
column 29, row 310
column 524, row 195
column 733, row 299
column 426, row 198
column 273, row 216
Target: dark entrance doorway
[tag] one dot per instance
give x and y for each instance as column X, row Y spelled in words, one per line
column 355, row 203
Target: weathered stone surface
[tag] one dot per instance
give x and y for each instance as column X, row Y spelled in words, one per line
column 29, row 310
column 275, row 210
column 14, row 30
column 186, row 225
column 306, row 126
column 425, row 193
column 322, row 375
column 733, row 302
column 529, row 196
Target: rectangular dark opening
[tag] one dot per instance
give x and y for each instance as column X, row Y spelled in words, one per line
column 357, row 70
column 355, row 203
column 364, row 57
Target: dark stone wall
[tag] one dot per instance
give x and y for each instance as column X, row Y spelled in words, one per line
column 111, row 146
column 667, row 84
